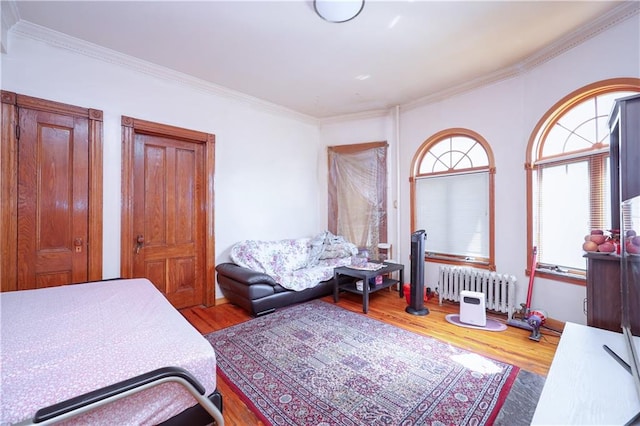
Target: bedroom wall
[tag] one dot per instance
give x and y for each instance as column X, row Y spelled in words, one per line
column 260, row 192
column 505, row 113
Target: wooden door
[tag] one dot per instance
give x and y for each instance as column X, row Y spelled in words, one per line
column 167, row 242
column 167, row 213
column 52, row 199
column 51, row 188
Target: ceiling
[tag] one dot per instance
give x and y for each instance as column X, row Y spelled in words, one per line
column 393, row 53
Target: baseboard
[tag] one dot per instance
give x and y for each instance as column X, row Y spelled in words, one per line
column 555, row 325
column 221, row 301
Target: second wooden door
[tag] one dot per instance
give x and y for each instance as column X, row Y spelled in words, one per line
column 167, row 243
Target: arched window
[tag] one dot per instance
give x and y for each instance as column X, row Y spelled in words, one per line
column 568, row 177
column 452, row 187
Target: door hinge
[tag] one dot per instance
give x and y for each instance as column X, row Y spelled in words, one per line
column 17, row 132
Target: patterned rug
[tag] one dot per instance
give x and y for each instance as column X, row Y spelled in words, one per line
column 320, row 364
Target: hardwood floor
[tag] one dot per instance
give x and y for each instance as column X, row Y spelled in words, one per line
column 512, row 345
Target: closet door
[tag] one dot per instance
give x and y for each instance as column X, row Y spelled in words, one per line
column 51, row 193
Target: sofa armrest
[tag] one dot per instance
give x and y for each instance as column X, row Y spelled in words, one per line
column 244, row 275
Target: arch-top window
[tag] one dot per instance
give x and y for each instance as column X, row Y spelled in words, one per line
column 452, row 197
column 581, row 128
column 569, row 176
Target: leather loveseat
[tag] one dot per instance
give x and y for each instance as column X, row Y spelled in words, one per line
column 266, row 275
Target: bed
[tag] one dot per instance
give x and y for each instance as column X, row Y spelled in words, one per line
column 114, row 351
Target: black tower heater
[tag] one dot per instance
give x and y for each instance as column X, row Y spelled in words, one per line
column 417, row 274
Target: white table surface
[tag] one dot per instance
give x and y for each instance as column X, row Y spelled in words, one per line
column 586, row 385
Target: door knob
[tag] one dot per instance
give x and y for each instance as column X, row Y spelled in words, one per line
column 139, row 243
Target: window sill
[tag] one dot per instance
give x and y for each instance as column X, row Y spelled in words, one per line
column 460, row 262
column 560, row 276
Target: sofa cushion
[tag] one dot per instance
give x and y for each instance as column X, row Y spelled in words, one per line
column 316, row 247
column 271, row 257
column 247, row 276
column 335, row 246
column 304, row 278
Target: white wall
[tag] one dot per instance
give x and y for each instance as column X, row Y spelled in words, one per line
column 271, row 176
column 266, row 171
column 505, row 114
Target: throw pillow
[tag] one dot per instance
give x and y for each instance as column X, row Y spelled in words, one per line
column 316, row 247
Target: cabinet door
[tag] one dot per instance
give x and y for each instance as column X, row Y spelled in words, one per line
column 603, row 292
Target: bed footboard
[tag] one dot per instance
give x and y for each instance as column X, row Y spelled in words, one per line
column 94, row 399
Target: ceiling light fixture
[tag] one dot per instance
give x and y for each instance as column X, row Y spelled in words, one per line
column 338, row 10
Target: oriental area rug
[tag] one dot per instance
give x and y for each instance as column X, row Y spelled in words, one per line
column 320, row 364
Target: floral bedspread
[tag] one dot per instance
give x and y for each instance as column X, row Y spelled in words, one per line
column 296, row 264
column 60, row 342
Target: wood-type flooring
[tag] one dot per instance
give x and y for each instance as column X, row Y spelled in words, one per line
column 512, row 345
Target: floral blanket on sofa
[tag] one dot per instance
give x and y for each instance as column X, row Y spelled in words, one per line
column 295, row 264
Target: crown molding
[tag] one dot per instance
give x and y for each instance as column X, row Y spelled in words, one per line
column 10, row 16
column 36, row 32
column 626, row 10
column 467, row 86
column 364, row 115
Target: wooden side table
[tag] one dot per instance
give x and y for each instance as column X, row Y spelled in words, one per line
column 366, row 276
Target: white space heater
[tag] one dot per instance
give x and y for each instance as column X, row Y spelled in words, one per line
column 472, row 308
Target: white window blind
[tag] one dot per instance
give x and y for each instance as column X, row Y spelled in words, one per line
column 572, row 198
column 454, row 211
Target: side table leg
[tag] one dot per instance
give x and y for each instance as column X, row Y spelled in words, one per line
column 365, row 294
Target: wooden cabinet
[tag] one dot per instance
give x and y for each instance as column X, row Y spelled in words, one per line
column 604, row 298
column 603, row 291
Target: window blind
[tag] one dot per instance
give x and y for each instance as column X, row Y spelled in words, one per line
column 454, row 210
column 572, row 198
